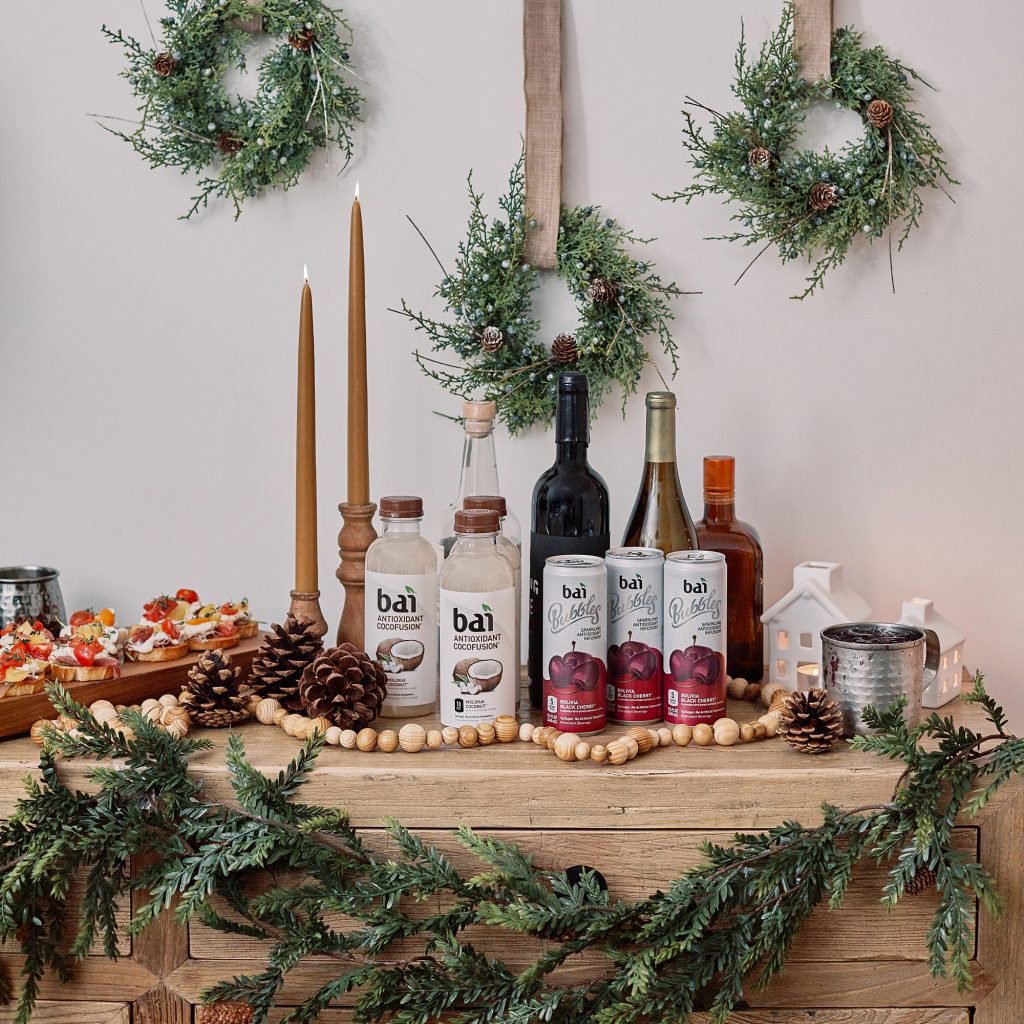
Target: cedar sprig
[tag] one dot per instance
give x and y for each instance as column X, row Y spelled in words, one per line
column 717, row 930
column 490, row 285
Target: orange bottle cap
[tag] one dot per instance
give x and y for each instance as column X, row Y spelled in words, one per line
column 719, row 475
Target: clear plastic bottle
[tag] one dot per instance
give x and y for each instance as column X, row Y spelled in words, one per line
column 477, row 612
column 400, row 622
column 512, row 549
column 479, row 474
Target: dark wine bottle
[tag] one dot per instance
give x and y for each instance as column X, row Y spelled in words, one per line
column 720, row 530
column 570, row 510
column 660, row 517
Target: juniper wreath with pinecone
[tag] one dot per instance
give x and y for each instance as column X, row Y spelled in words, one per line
column 492, row 330
column 721, row 926
column 239, row 147
column 809, row 204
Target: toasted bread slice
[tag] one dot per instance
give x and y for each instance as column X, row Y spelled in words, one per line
column 171, row 652
column 26, row 687
column 214, row 643
column 248, row 629
column 83, row 673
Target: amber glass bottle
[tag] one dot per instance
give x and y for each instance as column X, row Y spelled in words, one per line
column 720, row 530
column 660, row 518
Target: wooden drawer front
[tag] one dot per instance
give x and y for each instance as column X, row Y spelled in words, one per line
column 52, row 1012
column 636, row 863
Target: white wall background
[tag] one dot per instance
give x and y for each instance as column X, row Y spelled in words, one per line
column 148, row 364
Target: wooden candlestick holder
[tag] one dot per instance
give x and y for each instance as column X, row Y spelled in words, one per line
column 357, row 534
column 306, row 608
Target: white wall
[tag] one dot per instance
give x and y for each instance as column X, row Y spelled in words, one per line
column 147, row 396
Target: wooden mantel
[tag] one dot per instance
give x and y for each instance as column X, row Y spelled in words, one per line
column 640, row 824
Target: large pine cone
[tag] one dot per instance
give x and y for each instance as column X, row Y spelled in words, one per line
column 345, row 686
column 282, row 658
column 224, row 1013
column 811, row 721
column 602, row 290
column 879, row 113
column 563, row 349
column 822, row 196
column 212, row 694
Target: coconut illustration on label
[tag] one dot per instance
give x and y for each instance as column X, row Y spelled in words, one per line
column 400, row 655
column 477, row 675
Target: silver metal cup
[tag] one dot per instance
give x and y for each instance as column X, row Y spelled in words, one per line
column 876, row 663
column 31, row 592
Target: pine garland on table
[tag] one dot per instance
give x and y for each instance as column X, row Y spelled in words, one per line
column 718, row 928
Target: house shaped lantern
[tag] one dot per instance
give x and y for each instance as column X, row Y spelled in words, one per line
column 819, row 599
column 948, row 681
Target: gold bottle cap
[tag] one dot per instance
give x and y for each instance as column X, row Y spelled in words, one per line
column 661, row 400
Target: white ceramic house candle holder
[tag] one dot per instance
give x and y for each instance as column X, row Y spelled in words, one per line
column 948, row 681
column 819, row 599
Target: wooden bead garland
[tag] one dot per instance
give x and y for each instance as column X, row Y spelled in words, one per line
column 412, row 737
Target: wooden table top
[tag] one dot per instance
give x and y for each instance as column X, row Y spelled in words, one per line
column 520, row 785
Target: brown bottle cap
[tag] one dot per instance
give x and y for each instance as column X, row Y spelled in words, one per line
column 494, row 502
column 719, row 475
column 401, row 506
column 476, row 520
column 479, row 417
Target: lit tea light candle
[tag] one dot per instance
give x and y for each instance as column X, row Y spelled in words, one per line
column 808, row 677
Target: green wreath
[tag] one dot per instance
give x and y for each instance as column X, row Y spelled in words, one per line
column 621, row 300
column 811, row 204
column 239, row 147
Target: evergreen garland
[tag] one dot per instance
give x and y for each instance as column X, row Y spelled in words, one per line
column 239, row 147
column 719, row 927
column 621, row 301
column 869, row 184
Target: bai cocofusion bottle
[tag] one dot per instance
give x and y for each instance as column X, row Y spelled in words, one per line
column 400, row 622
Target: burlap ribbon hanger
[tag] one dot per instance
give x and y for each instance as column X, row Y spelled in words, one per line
column 812, row 28
column 542, row 83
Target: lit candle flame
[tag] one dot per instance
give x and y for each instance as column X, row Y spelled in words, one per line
column 357, row 191
column 305, row 273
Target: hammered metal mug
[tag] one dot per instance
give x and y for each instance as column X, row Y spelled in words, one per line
column 31, row 592
column 876, row 663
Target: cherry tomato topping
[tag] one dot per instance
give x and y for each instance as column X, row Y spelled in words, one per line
column 40, row 651
column 86, row 652
column 227, row 628
column 187, row 595
column 106, row 616
column 82, row 617
column 170, row 629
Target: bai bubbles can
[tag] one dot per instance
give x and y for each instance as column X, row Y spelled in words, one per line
column 635, row 593
column 695, row 619
column 575, row 643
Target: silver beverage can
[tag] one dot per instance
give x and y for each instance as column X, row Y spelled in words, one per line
column 575, row 643
column 635, row 601
column 876, row 663
column 695, row 637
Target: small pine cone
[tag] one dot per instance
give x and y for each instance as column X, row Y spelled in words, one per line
column 282, row 658
column 759, row 158
column 164, row 65
column 822, row 196
column 602, row 290
column 563, row 348
column 212, row 695
column 921, row 882
column 224, row 1013
column 491, row 339
column 345, row 686
column 811, row 721
column 302, row 40
column 879, row 113
column 228, row 143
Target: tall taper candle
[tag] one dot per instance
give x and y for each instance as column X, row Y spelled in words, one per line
column 305, row 452
column 358, row 455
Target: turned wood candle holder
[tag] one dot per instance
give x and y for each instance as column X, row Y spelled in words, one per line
column 357, row 534
column 305, row 607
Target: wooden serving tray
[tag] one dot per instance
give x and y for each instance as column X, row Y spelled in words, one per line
column 139, row 680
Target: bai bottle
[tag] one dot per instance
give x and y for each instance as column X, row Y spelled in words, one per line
column 400, row 622
column 510, row 545
column 478, row 624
